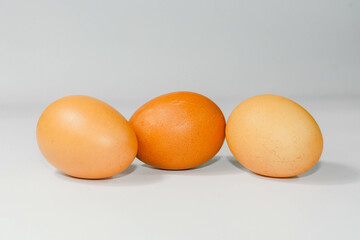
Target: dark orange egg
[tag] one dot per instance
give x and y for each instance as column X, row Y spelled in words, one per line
column 178, row 130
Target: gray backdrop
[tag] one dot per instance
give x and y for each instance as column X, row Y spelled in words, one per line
column 126, row 50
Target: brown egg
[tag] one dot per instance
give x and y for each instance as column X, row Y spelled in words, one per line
column 86, row 138
column 274, row 136
column 178, row 130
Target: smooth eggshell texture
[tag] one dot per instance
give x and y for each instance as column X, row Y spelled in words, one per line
column 274, row 136
column 178, row 130
column 86, row 138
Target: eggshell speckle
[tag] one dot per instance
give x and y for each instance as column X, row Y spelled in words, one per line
column 178, row 130
column 274, row 136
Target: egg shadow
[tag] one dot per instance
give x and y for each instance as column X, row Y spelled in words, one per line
column 330, row 173
column 208, row 163
column 128, row 177
column 323, row 173
column 236, row 163
column 215, row 166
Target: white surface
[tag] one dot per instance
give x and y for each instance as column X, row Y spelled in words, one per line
column 140, row 49
column 220, row 200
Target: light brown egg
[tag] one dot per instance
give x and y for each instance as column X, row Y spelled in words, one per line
column 178, row 130
column 86, row 138
column 274, row 136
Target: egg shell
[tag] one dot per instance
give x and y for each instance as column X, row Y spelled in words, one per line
column 178, row 130
column 86, row 138
column 274, row 136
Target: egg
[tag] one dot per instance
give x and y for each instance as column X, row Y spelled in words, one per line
column 274, row 136
column 84, row 137
column 178, row 130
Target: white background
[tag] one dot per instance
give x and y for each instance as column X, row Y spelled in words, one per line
column 127, row 52
column 140, row 49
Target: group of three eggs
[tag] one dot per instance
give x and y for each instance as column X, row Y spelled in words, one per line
column 86, row 138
